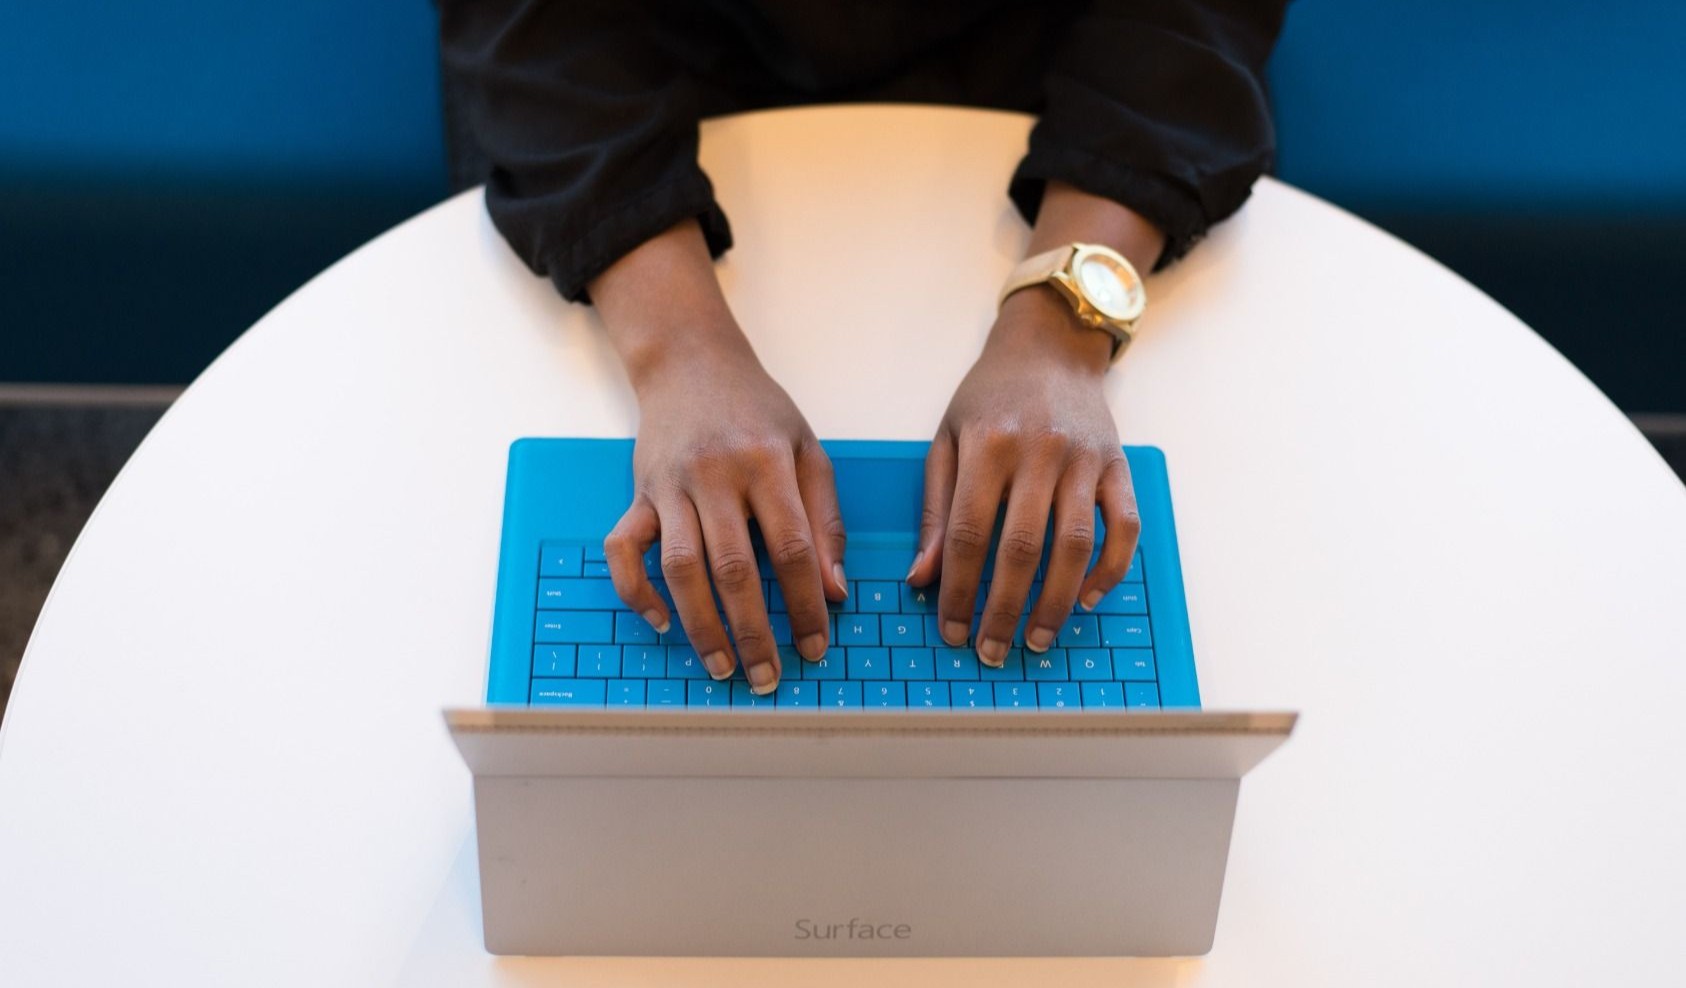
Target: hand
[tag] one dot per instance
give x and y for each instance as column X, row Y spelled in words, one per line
column 1029, row 425
column 719, row 442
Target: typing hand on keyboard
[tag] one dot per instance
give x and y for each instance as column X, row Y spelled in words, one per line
column 720, row 443
column 1029, row 425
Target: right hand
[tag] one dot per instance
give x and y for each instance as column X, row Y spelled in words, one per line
column 719, row 442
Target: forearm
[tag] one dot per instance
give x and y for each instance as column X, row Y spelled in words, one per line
column 1037, row 322
column 662, row 306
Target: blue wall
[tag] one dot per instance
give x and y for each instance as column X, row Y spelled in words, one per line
column 227, row 151
column 300, row 90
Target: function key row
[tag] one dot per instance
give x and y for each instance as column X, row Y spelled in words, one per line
column 957, row 664
column 843, row 694
column 868, row 563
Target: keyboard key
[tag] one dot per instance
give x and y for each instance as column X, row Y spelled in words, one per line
column 884, row 694
column 1079, row 631
column 553, row 661
column 600, row 661
column 956, row 663
column 831, row 666
column 1049, row 665
column 594, row 552
column 559, row 559
column 1126, row 598
column 742, row 697
column 626, row 692
column 1058, row 696
column 708, row 693
column 1125, row 632
column 868, row 663
column 578, row 595
column 1141, row 695
column 1102, row 695
column 665, row 693
column 1090, row 663
column 632, row 629
column 1134, row 664
column 901, row 629
column 927, row 694
column 857, row 629
column 971, row 694
column 595, row 570
column 912, row 663
column 873, row 562
column 1015, row 695
column 581, row 627
column 1134, row 574
column 796, row 693
column 1011, row 669
column 568, row 693
column 683, row 663
column 843, row 693
column 877, row 597
column 918, row 600
column 653, row 562
column 781, row 628
column 644, row 661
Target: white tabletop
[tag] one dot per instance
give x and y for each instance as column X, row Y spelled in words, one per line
column 1401, row 514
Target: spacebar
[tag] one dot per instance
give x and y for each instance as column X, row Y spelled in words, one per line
column 877, row 562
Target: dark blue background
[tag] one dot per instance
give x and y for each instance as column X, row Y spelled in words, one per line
column 170, row 170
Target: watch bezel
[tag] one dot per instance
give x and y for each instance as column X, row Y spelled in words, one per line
column 1134, row 286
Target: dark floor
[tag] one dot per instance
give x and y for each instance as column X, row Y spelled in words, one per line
column 56, row 461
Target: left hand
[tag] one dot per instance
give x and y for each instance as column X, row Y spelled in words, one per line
column 1030, row 426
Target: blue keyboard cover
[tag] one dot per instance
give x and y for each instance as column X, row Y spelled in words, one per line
column 561, row 636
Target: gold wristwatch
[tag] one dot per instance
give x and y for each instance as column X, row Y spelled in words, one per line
column 1102, row 287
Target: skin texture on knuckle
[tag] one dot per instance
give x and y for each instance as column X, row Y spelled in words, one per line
column 680, row 560
column 1076, row 540
column 1021, row 547
column 734, row 569
column 967, row 540
column 792, row 550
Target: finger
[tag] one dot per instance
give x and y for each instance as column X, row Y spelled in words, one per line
column 1117, row 500
column 624, row 548
column 939, row 499
column 779, row 511
column 817, row 486
column 971, row 520
column 684, row 564
column 1016, row 555
column 1073, row 547
column 737, row 579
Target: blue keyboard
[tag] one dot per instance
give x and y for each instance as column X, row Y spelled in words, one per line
column 588, row 650
column 562, row 637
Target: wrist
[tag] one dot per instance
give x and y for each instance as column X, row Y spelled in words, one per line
column 681, row 352
column 1037, row 326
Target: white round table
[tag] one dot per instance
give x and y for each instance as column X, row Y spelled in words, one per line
column 1401, row 514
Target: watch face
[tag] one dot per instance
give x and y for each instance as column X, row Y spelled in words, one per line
column 1110, row 285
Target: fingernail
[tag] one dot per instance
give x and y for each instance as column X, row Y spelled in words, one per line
column 916, row 557
column 718, row 664
column 837, row 574
column 763, row 678
column 1039, row 639
column 812, row 647
column 1091, row 598
column 992, row 652
column 655, row 618
column 954, row 632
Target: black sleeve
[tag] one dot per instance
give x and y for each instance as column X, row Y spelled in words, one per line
column 590, row 127
column 1159, row 105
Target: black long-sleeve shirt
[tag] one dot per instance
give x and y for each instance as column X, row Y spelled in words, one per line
column 587, row 110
